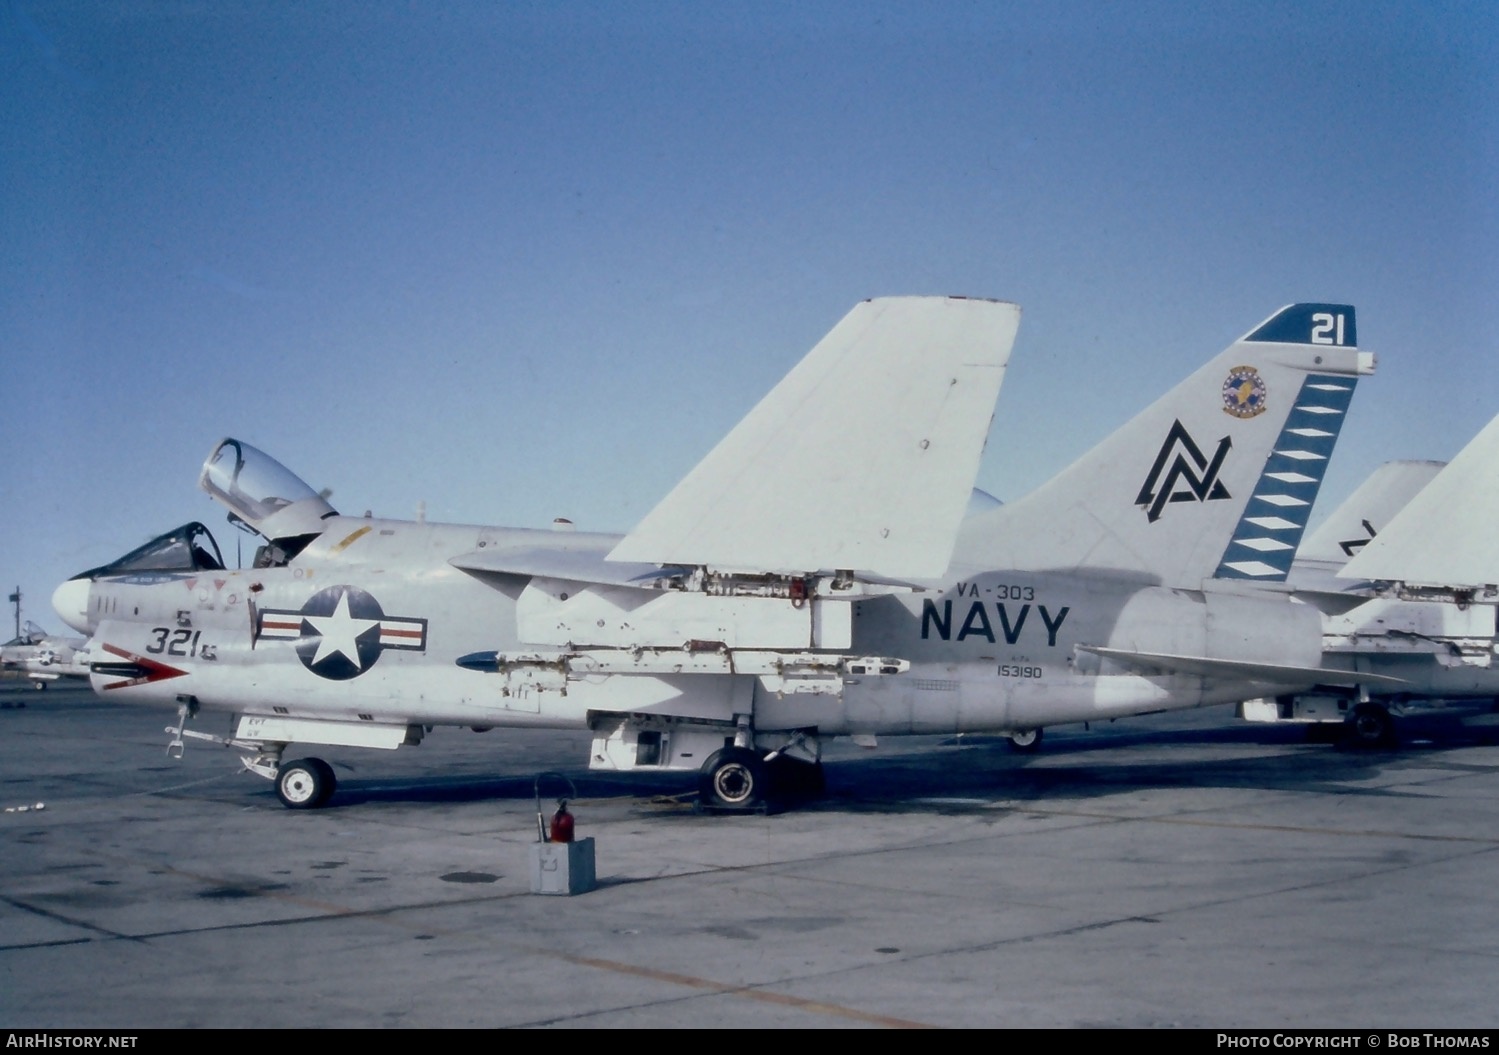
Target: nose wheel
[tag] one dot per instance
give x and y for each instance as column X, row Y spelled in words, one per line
column 305, row 784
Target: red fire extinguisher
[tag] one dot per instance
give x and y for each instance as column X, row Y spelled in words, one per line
column 562, row 824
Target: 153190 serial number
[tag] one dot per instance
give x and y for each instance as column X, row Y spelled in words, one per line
column 1016, row 670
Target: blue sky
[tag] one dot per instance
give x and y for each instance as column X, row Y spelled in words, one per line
column 525, row 260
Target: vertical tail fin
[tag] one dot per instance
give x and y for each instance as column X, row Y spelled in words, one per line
column 1366, row 512
column 1269, row 532
column 1445, row 535
column 1216, row 478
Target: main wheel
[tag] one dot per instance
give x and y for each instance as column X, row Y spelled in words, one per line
column 733, row 778
column 1026, row 741
column 305, row 784
column 1370, row 725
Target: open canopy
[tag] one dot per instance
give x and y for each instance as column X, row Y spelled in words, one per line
column 262, row 492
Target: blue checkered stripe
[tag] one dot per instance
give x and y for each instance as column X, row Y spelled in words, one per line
column 1264, row 543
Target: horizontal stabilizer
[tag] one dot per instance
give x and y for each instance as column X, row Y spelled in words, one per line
column 1272, row 673
column 1445, row 535
column 863, row 457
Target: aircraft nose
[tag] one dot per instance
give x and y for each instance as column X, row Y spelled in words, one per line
column 70, row 602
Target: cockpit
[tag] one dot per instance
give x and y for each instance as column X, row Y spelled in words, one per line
column 188, row 548
column 262, row 496
column 266, row 497
column 263, row 493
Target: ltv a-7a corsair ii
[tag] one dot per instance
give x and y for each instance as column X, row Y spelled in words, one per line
column 814, row 576
column 44, row 658
column 1406, row 575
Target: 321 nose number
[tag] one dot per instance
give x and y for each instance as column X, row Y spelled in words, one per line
column 179, row 642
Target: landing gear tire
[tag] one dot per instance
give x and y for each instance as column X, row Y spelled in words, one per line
column 733, row 778
column 1370, row 725
column 1026, row 742
column 305, row 784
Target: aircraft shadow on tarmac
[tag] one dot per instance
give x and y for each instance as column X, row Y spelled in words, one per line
column 927, row 774
column 1080, row 768
column 979, row 771
column 452, row 789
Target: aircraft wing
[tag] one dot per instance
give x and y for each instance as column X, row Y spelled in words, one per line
column 1203, row 666
column 1445, row 535
column 863, row 457
column 577, row 563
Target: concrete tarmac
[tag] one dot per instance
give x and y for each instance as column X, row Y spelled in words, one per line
column 1182, row 870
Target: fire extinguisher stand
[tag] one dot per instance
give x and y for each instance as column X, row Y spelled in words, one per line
column 560, row 864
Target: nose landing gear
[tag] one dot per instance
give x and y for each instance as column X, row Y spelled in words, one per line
column 305, row 784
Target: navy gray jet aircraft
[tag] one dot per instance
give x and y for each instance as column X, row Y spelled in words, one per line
column 1405, row 574
column 45, row 658
column 813, row 576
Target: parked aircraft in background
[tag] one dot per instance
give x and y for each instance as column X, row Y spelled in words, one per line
column 1405, row 574
column 14, row 650
column 813, row 576
column 1361, row 516
column 44, row 658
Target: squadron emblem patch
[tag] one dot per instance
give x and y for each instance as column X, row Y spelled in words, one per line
column 1244, row 392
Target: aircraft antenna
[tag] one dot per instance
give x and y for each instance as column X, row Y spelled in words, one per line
column 244, row 526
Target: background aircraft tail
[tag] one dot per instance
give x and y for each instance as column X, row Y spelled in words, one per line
column 1215, row 479
column 1366, row 512
column 1445, row 534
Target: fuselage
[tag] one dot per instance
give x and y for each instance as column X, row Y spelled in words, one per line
column 369, row 623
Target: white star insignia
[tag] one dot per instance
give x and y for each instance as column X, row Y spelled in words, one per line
column 339, row 632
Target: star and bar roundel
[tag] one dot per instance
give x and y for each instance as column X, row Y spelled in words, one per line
column 341, row 631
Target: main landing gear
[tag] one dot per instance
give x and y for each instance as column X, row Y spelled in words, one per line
column 1371, row 725
column 734, row 778
column 745, row 779
column 1026, row 742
